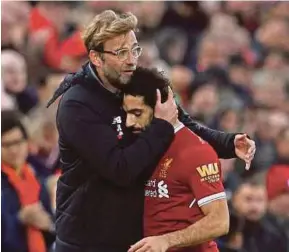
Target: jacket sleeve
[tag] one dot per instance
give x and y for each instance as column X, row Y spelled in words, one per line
column 96, row 143
column 222, row 142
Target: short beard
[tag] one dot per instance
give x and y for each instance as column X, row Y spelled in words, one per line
column 115, row 79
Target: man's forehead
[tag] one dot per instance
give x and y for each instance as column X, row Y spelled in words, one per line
column 14, row 133
column 248, row 189
column 135, row 100
column 127, row 40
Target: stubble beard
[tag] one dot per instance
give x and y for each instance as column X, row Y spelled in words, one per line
column 116, row 80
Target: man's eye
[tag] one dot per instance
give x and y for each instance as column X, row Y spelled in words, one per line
column 122, row 53
column 137, row 114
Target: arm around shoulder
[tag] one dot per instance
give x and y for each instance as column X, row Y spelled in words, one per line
column 97, row 143
column 222, row 142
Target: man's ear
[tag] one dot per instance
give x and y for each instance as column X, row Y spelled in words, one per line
column 95, row 58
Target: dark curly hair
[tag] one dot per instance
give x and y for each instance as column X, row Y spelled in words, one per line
column 144, row 82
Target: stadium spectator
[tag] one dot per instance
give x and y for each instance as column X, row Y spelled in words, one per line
column 26, row 213
column 260, row 232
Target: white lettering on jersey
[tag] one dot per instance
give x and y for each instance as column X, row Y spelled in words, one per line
column 163, row 189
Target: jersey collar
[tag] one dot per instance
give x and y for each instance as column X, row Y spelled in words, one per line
column 178, row 126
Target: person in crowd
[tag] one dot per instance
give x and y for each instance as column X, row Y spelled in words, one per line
column 260, row 232
column 277, row 183
column 26, row 213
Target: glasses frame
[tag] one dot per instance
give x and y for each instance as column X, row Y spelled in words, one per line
column 17, row 142
column 116, row 52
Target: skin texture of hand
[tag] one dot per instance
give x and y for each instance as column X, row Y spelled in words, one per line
column 35, row 215
column 245, row 149
column 151, row 244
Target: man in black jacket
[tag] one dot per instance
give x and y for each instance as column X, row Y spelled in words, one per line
column 100, row 191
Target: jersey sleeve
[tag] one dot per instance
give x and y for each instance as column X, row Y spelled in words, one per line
column 205, row 178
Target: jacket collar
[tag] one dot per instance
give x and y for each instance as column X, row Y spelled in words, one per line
column 85, row 76
column 94, row 77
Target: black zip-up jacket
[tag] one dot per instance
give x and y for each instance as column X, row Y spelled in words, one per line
column 100, row 192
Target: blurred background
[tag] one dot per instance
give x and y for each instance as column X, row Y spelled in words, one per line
column 229, row 66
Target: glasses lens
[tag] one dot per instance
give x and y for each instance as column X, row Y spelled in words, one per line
column 122, row 54
column 136, row 52
column 17, row 143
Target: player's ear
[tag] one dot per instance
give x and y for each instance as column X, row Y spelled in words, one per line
column 95, row 58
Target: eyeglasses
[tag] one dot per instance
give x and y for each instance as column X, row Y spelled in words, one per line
column 13, row 143
column 123, row 54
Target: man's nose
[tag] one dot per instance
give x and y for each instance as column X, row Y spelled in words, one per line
column 13, row 150
column 131, row 60
column 129, row 121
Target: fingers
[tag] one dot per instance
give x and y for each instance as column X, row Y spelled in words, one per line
column 247, row 167
column 250, row 154
column 246, row 149
column 168, row 110
column 159, row 98
column 248, row 159
column 170, row 95
column 144, row 249
column 240, row 136
column 137, row 246
column 251, row 151
column 252, row 148
column 240, row 139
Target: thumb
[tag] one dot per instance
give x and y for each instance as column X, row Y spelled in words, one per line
column 247, row 167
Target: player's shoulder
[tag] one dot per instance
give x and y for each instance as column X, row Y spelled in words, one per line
column 197, row 148
column 203, row 160
column 194, row 140
column 189, row 137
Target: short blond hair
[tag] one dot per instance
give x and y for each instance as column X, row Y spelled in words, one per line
column 108, row 25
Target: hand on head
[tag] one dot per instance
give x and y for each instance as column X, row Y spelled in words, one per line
column 168, row 110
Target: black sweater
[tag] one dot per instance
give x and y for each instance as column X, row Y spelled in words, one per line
column 100, row 193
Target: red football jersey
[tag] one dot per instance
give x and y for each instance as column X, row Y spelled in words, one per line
column 187, row 177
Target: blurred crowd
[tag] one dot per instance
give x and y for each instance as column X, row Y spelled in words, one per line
column 229, row 66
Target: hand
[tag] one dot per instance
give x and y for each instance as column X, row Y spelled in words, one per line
column 35, row 215
column 151, row 244
column 168, row 110
column 245, row 149
column 51, row 184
